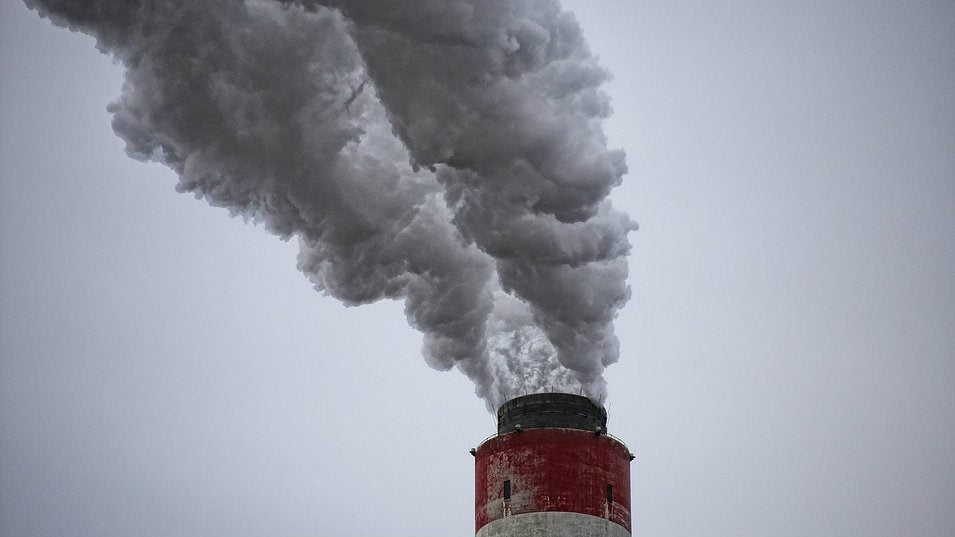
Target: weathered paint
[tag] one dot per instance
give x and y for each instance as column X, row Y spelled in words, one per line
column 555, row 471
column 552, row 525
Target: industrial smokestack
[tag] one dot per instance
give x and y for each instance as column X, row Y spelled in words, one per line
column 552, row 470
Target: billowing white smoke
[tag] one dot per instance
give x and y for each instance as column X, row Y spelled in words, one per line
column 446, row 152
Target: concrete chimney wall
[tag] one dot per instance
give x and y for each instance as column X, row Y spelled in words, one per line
column 552, row 470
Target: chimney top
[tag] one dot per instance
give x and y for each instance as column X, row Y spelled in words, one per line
column 551, row 410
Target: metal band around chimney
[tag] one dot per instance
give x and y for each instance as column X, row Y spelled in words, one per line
column 551, row 410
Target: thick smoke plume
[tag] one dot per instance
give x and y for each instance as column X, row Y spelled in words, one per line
column 444, row 152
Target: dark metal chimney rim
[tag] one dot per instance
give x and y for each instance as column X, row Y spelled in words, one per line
column 551, row 410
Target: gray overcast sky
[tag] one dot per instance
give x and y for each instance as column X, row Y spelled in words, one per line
column 788, row 357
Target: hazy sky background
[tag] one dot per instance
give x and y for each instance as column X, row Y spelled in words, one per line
column 788, row 358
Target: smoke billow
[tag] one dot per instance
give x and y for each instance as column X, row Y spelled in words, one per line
column 444, row 152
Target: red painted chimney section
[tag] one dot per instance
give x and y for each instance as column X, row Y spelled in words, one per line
column 552, row 470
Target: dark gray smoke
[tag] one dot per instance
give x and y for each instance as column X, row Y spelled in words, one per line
column 447, row 152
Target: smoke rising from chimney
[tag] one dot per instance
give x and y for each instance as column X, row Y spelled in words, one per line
column 444, row 152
